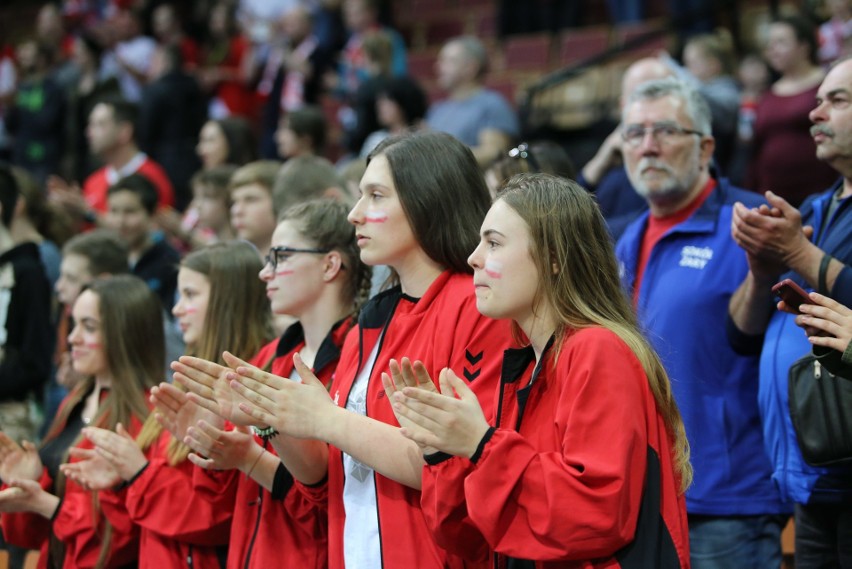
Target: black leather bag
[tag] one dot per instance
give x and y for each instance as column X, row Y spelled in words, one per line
column 821, row 410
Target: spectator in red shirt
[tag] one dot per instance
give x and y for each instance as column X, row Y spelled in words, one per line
column 111, row 136
column 226, row 65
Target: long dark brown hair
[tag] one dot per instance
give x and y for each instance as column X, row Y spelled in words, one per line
column 442, row 192
column 133, row 342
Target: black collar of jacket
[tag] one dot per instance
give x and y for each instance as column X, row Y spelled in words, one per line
column 328, row 351
column 516, row 360
column 375, row 313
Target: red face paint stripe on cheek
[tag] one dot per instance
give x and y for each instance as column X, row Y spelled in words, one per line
column 376, row 217
column 493, row 270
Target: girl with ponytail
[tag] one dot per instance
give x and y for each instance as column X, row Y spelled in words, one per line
column 422, row 198
column 312, row 273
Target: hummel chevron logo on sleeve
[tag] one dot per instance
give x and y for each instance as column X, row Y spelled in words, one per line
column 472, row 359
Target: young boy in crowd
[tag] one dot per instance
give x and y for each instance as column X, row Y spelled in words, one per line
column 207, row 219
column 253, row 214
column 132, row 203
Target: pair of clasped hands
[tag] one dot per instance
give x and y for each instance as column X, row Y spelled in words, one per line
column 773, row 238
column 449, row 420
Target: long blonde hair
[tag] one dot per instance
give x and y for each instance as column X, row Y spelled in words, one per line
column 237, row 319
column 568, row 230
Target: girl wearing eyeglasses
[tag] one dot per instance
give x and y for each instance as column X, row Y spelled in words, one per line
column 312, row 273
column 587, row 461
column 182, row 523
column 422, row 197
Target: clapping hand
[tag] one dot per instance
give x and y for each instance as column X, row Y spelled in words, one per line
column 405, row 374
column 291, row 407
column 27, row 496
column 455, row 425
column 91, row 471
column 218, row 449
column 119, row 449
column 176, row 413
column 18, row 461
column 208, row 386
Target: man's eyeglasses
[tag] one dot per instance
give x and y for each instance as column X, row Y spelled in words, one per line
column 523, row 151
column 661, row 132
column 281, row 254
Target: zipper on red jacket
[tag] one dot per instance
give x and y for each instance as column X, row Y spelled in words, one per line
column 367, row 414
column 256, row 526
column 501, row 561
column 379, row 523
column 189, row 557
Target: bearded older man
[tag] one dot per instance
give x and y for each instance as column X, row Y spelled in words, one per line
column 682, row 266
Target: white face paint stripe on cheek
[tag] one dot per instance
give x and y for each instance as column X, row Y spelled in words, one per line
column 494, row 269
column 376, row 216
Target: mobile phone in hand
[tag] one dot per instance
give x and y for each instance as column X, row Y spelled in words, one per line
column 792, row 294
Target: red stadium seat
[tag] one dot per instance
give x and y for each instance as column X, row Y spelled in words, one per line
column 579, row 44
column 528, row 52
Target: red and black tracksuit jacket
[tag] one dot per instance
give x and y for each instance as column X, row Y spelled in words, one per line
column 578, row 472
column 441, row 329
column 285, row 527
column 178, row 526
column 76, row 523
